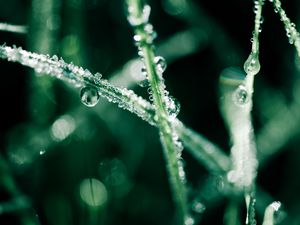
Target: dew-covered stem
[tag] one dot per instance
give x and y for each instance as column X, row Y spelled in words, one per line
column 138, row 15
column 250, row 207
column 290, row 27
column 258, row 6
column 208, row 154
column 237, row 106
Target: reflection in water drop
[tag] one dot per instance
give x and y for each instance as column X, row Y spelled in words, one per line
column 161, row 64
column 252, row 65
column 241, row 96
column 89, row 96
column 173, row 106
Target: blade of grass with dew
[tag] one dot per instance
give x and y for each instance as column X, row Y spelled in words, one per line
column 290, row 28
column 236, row 109
column 138, row 16
column 239, row 120
column 126, row 99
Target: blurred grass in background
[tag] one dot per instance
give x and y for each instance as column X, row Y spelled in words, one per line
column 51, row 144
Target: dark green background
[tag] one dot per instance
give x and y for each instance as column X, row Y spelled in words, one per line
column 105, row 45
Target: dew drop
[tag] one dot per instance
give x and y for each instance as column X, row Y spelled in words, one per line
column 98, row 75
column 144, row 72
column 54, row 58
column 42, row 152
column 189, row 221
column 144, row 83
column 261, row 20
column 198, row 207
column 173, row 106
column 137, row 39
column 252, row 65
column 161, row 64
column 241, row 96
column 136, row 20
column 89, row 96
column 279, row 213
column 274, row 214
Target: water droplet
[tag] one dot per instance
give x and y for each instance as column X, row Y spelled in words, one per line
column 161, row 64
column 274, row 214
column 42, row 152
column 137, row 39
column 252, row 65
column 241, row 96
column 98, row 75
column 144, row 72
column 146, row 13
column 54, row 58
column 173, row 106
column 89, row 96
column 189, row 221
column 261, row 20
column 198, row 207
column 151, row 34
column 279, row 213
column 181, row 171
column 144, row 83
column 137, row 20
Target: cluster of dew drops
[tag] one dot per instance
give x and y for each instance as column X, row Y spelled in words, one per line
column 145, row 37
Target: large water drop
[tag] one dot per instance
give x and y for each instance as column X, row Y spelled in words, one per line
column 161, row 64
column 241, row 95
column 252, row 65
column 89, row 96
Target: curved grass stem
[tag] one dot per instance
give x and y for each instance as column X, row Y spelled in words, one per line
column 206, row 152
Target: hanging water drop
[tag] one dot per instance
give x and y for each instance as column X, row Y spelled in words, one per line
column 161, row 64
column 252, row 65
column 89, row 96
column 241, row 96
